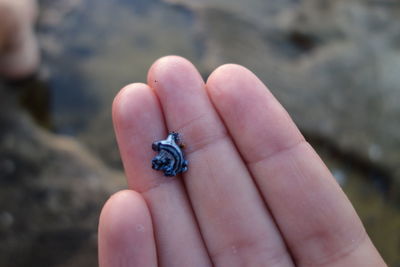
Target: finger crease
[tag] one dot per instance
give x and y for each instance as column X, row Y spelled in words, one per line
column 206, row 142
column 190, row 122
column 277, row 152
column 271, row 257
column 160, row 182
column 341, row 253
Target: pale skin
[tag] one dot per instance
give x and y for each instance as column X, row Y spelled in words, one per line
column 256, row 193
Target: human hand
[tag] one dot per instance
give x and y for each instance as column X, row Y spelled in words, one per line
column 19, row 53
column 255, row 193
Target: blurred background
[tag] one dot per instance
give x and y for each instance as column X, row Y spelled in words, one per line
column 334, row 65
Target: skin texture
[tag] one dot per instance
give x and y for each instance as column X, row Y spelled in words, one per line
column 255, row 193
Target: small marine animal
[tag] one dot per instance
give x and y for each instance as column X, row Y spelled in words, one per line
column 170, row 158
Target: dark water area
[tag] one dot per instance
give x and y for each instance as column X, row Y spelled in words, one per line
column 323, row 61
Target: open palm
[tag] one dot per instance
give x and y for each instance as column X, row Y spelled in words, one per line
column 255, row 193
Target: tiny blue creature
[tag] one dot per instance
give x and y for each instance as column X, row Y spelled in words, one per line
column 170, row 158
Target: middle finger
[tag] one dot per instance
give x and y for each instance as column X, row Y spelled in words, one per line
column 234, row 221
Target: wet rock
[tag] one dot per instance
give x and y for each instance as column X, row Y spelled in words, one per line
column 51, row 193
column 6, row 221
column 380, row 217
column 331, row 64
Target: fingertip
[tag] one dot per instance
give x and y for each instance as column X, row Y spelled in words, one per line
column 232, row 85
column 123, row 212
column 125, row 231
column 127, row 98
column 172, row 70
column 245, row 103
column 230, row 76
column 138, row 122
column 229, row 69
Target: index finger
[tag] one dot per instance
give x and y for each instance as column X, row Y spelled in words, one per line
column 316, row 219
